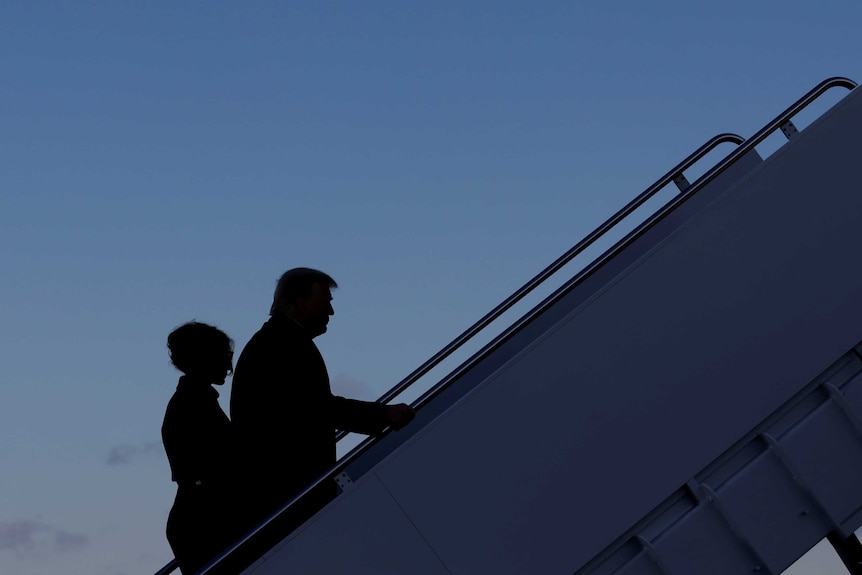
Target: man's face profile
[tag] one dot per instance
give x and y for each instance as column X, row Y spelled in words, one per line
column 316, row 309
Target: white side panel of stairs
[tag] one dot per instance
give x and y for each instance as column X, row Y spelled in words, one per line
column 633, row 396
column 391, row 546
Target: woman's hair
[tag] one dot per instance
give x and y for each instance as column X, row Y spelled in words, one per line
column 196, row 346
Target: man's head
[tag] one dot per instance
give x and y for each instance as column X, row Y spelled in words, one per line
column 305, row 295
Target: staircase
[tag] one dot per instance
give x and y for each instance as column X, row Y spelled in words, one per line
column 690, row 402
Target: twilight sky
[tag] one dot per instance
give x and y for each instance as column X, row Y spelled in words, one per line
column 166, row 161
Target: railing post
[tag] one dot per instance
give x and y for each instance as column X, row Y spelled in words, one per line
column 849, row 550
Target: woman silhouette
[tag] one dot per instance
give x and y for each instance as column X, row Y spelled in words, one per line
column 197, row 437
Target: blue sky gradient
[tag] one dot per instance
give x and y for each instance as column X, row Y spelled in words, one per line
column 167, row 161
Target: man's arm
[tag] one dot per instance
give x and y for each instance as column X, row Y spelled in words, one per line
column 369, row 417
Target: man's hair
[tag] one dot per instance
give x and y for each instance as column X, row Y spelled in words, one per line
column 297, row 283
column 195, row 346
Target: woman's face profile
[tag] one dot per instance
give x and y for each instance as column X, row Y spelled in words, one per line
column 225, row 366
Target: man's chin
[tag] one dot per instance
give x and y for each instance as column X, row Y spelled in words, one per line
column 321, row 329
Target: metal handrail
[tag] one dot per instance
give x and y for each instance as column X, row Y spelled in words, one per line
column 700, row 183
column 554, row 267
column 169, row 568
column 561, row 261
column 491, row 316
column 745, row 147
column 748, row 145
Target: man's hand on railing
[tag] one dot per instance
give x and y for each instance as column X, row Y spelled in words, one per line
column 399, row 415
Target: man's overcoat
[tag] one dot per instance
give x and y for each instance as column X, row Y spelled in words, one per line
column 285, row 416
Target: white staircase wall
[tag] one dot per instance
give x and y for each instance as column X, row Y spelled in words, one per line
column 555, row 457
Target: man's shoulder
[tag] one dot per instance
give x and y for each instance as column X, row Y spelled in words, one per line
column 267, row 349
column 277, row 329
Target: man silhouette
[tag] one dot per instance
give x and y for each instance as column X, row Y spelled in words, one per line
column 282, row 409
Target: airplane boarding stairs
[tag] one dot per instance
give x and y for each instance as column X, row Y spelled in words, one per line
column 690, row 402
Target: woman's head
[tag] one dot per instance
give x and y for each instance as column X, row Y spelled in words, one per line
column 201, row 350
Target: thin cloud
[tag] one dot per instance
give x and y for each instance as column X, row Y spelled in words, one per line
column 125, row 453
column 19, row 536
column 66, row 541
column 352, row 387
column 25, row 537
